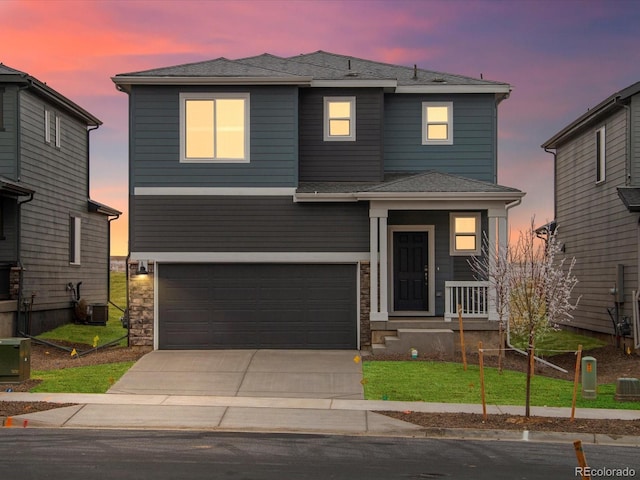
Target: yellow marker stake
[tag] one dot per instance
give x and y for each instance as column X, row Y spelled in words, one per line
column 95, row 341
column 74, row 353
column 356, row 359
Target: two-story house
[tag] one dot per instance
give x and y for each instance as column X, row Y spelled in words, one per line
column 54, row 240
column 317, row 201
column 597, row 200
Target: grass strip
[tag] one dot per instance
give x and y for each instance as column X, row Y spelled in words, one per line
column 443, row 382
column 87, row 379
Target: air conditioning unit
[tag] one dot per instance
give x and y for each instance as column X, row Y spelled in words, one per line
column 15, row 360
column 99, row 315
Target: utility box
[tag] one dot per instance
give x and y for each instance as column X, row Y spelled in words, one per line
column 15, row 360
column 589, row 378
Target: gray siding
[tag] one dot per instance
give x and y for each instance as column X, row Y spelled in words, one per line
column 359, row 160
column 473, row 153
column 448, row 268
column 155, row 141
column 8, row 134
column 59, row 176
column 634, row 140
column 594, row 225
column 246, row 224
column 8, row 236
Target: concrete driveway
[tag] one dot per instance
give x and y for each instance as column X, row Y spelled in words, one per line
column 246, row 373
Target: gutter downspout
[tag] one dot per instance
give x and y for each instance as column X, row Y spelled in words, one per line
column 509, row 344
column 20, row 266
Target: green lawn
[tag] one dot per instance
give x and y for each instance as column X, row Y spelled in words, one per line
column 90, row 379
column 86, row 334
column 450, row 383
column 559, row 342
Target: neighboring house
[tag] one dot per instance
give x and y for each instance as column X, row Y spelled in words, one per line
column 54, row 240
column 597, row 201
column 317, row 201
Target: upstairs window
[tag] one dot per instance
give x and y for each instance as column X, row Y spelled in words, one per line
column 47, row 126
column 52, row 128
column 600, row 155
column 339, row 119
column 1, row 109
column 437, row 123
column 214, row 127
column 465, row 233
column 75, row 224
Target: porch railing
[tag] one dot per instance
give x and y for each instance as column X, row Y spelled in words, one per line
column 472, row 296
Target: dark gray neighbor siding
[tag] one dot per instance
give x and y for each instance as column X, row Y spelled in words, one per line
column 9, row 132
column 473, row 153
column 359, row 160
column 246, row 224
column 634, row 141
column 448, row 268
column 155, row 140
column 593, row 223
column 59, row 177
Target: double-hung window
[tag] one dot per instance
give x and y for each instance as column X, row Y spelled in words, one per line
column 75, row 224
column 339, row 119
column 437, row 123
column 600, row 155
column 214, row 127
column 52, row 128
column 465, row 233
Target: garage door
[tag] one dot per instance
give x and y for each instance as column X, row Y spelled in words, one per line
column 214, row 306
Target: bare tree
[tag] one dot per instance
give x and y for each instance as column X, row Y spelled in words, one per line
column 540, row 288
column 493, row 266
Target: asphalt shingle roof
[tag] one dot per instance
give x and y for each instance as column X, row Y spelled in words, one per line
column 318, row 65
column 423, row 182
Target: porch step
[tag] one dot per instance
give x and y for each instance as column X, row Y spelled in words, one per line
column 434, row 343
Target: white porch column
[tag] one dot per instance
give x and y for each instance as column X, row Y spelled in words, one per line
column 384, row 274
column 378, row 264
column 373, row 266
column 497, row 244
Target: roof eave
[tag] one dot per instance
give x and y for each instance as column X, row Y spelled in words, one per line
column 500, row 89
column 126, row 82
column 431, row 196
column 97, row 207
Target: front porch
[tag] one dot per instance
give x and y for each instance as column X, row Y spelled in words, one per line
column 439, row 337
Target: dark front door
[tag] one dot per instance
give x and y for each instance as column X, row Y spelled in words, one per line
column 410, row 271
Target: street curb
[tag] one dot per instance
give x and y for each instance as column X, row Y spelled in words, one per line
column 531, row 436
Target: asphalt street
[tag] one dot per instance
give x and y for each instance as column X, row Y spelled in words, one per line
column 27, row 454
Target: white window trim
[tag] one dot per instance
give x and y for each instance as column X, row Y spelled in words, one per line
column 47, row 125
column 213, row 96
column 75, row 254
column 452, row 236
column 425, row 140
column 352, row 120
column 601, row 156
column 57, row 133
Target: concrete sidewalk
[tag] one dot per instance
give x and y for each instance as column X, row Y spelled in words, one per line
column 293, row 415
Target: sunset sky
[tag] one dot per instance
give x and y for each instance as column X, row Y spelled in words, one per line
column 560, row 56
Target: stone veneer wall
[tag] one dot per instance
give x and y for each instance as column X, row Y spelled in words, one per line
column 365, row 304
column 141, row 296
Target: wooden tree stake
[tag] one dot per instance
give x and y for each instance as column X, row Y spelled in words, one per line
column 462, row 346
column 481, row 361
column 582, row 461
column 575, row 383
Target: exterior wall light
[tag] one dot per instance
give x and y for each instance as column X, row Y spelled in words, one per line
column 143, row 267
